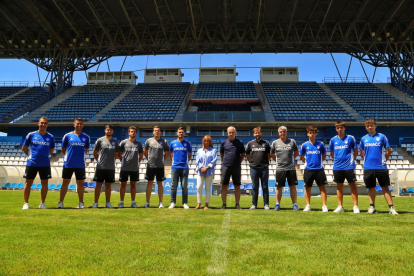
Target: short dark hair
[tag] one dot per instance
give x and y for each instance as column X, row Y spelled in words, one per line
column 132, row 127
column 257, row 129
column 78, row 119
column 44, row 118
column 109, row 126
column 340, row 123
column 180, row 128
column 370, row 121
column 156, row 127
column 311, row 128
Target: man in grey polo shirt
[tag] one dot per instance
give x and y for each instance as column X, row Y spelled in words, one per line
column 105, row 152
column 284, row 151
column 156, row 151
column 131, row 155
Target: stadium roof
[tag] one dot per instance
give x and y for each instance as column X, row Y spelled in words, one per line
column 62, row 36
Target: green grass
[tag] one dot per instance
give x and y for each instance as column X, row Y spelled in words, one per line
column 203, row 242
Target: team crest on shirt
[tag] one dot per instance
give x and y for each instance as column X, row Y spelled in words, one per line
column 84, row 139
column 336, row 143
column 307, row 147
column 35, row 138
column 366, row 140
column 346, row 142
column 377, row 138
column 263, row 144
column 318, row 147
column 47, row 139
column 113, row 144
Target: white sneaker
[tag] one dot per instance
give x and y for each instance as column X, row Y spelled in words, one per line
column 134, row 205
column 186, row 206
column 371, row 210
column 253, row 207
column 81, row 205
column 325, row 209
column 95, row 205
column 60, row 205
column 121, row 205
column 160, row 206
column 42, row 206
column 339, row 209
column 393, row 212
column 307, row 208
column 266, row 207
column 356, row 210
column 146, row 205
column 25, row 206
column 172, row 205
column 108, row 205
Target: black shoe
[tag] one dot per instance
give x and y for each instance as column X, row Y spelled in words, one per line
column 238, row 207
column 223, row 207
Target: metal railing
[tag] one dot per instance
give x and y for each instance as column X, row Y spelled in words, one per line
column 224, row 116
column 14, row 83
column 345, row 80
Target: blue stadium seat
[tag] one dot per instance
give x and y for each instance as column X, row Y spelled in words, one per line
column 39, row 186
column 72, row 187
column 20, row 186
column 231, row 187
column 85, row 184
column 33, row 186
column 92, row 185
column 52, row 186
column 58, row 186
column 225, row 90
column 7, row 186
column 14, row 186
column 248, row 187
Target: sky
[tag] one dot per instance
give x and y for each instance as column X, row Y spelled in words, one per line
column 312, row 67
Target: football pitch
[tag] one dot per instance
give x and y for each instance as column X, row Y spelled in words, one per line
column 203, row 242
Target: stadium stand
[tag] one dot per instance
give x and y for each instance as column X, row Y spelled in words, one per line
column 209, row 106
column 225, row 90
column 85, row 104
column 21, row 101
column 7, row 91
column 149, row 102
column 372, row 102
column 303, row 101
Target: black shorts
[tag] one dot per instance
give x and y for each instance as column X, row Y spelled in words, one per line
column 133, row 176
column 31, row 172
column 370, row 177
column 79, row 173
column 107, row 176
column 282, row 176
column 340, row 176
column 318, row 176
column 234, row 172
column 153, row 173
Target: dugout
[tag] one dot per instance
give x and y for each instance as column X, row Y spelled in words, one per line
column 401, row 178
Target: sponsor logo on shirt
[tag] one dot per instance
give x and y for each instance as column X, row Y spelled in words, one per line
column 181, row 148
column 258, row 149
column 108, row 147
column 130, row 149
column 156, row 145
column 313, row 152
column 341, row 147
column 77, row 144
column 373, row 144
column 285, row 148
column 41, row 143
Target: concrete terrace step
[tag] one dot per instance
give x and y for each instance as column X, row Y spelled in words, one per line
column 264, row 102
column 187, row 99
column 395, row 92
column 12, row 95
column 105, row 110
column 340, row 101
column 49, row 105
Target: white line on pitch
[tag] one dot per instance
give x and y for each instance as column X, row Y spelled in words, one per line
column 219, row 255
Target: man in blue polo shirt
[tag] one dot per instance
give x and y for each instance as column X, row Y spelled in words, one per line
column 313, row 153
column 180, row 153
column 38, row 145
column 343, row 149
column 75, row 145
column 232, row 153
column 376, row 150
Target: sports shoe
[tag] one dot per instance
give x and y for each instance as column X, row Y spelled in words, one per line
column 146, row 205
column 25, row 206
column 223, row 207
column 185, row 206
column 325, row 209
column 108, row 205
column 160, row 205
column 42, row 206
column 121, row 205
column 295, row 207
column 266, row 207
column 172, row 205
column 356, row 210
column 339, row 209
column 393, row 212
column 95, row 205
column 81, row 205
column 60, row 205
column 371, row 210
column 238, row 207
column 277, row 207
column 133, row 205
column 307, row 208
column 253, row 207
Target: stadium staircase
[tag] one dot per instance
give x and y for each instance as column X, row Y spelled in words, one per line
column 105, row 110
column 49, row 105
column 396, row 93
column 265, row 104
column 406, row 155
column 183, row 107
column 341, row 102
column 14, row 94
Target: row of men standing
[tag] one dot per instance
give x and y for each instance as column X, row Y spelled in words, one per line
column 232, row 151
